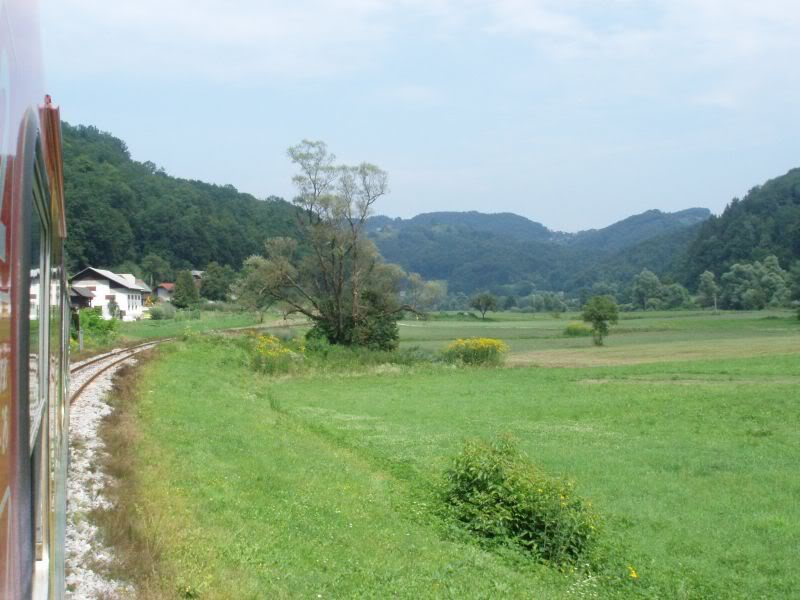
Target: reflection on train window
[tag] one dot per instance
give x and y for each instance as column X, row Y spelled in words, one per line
column 38, row 361
column 37, row 298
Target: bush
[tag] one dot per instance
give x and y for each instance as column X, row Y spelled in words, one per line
column 476, row 351
column 95, row 328
column 499, row 495
column 269, row 355
column 577, row 330
column 162, row 312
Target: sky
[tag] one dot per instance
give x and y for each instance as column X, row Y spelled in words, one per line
column 573, row 113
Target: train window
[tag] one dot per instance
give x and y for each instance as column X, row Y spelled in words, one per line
column 38, row 302
column 39, row 360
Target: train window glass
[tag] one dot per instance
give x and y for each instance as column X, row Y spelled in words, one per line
column 38, row 360
column 38, row 294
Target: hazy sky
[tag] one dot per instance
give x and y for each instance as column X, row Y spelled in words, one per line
column 574, row 113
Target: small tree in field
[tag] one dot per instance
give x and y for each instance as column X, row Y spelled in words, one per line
column 708, row 289
column 600, row 311
column 483, row 302
column 185, row 293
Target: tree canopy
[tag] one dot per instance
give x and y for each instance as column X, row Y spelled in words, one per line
column 330, row 271
column 600, row 312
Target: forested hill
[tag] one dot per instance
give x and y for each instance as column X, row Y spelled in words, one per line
column 765, row 222
column 504, row 224
column 120, row 210
column 475, row 251
column 638, row 228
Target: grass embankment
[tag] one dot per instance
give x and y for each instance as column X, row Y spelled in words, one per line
column 320, row 485
column 135, row 332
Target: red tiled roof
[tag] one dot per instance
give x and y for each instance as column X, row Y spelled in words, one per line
column 167, row 286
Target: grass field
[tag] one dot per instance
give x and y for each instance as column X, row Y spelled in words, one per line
column 147, row 328
column 132, row 332
column 321, row 485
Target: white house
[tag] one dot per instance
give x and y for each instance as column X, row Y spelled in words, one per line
column 104, row 286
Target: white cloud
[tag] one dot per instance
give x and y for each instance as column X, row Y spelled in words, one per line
column 222, row 41
column 664, row 41
column 724, row 50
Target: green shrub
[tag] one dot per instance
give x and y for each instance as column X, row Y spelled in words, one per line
column 476, row 351
column 577, row 330
column 97, row 330
column 269, row 354
column 162, row 312
column 499, row 495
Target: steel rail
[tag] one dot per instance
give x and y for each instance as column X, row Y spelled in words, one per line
column 133, row 350
column 96, row 359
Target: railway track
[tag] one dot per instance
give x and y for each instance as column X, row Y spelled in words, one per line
column 84, row 373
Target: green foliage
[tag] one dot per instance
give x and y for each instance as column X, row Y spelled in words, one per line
column 499, row 495
column 185, row 294
column 476, row 351
column 217, row 281
column 162, row 312
column 376, row 330
column 753, row 286
column 646, row 287
column 674, row 295
column 708, row 289
column 97, row 330
column 600, row 311
column 156, row 270
column 483, row 302
column 765, row 222
column 577, row 330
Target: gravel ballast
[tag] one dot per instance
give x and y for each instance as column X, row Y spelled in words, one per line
column 87, row 558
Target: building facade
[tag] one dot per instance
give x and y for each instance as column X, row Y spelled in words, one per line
column 117, row 295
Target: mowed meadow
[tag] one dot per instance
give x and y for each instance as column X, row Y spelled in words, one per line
column 682, row 431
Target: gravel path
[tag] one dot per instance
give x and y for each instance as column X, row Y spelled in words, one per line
column 86, row 556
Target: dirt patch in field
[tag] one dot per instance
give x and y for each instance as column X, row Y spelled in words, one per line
column 633, row 354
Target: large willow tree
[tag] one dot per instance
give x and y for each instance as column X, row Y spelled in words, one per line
column 331, row 272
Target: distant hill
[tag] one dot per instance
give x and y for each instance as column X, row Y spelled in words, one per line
column 121, row 210
column 474, row 251
column 504, row 224
column 766, row 221
column 638, row 228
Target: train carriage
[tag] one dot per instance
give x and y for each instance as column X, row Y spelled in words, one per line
column 33, row 318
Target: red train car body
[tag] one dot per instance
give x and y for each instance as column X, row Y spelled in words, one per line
column 33, row 318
